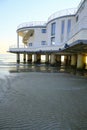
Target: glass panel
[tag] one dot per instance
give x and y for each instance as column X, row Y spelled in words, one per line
column 52, row 40
column 77, row 17
column 30, row 44
column 62, row 27
column 43, row 42
column 53, row 25
column 69, row 26
column 43, row 30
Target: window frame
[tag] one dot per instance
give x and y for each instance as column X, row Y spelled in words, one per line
column 62, row 27
column 68, row 26
column 43, row 30
column 43, row 43
column 53, row 28
column 30, row 44
column 52, row 40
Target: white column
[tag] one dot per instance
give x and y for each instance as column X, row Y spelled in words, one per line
column 35, row 58
column 65, row 60
column 18, row 58
column 69, row 60
column 29, row 57
column 58, row 59
column 17, row 40
column 85, row 62
column 73, row 60
column 46, row 58
column 24, row 58
column 52, row 59
column 38, row 58
column 80, row 61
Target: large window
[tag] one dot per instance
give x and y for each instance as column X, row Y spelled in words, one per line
column 53, row 27
column 43, row 42
column 77, row 18
column 43, row 30
column 62, row 27
column 52, row 40
column 30, row 44
column 62, row 30
column 69, row 26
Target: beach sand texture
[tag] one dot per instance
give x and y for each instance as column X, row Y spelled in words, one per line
column 43, row 101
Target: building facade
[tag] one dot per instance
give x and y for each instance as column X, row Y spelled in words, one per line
column 64, row 33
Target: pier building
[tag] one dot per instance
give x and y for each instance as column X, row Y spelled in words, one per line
column 63, row 34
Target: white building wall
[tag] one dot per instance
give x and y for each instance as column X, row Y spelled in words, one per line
column 31, row 40
column 48, row 33
column 78, row 32
column 77, row 29
column 82, row 35
column 82, row 12
column 57, row 35
column 37, row 37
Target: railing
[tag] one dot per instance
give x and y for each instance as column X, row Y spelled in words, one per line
column 65, row 12
column 36, row 49
column 20, row 46
column 34, row 23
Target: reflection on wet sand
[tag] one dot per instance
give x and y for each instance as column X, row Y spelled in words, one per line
column 46, row 68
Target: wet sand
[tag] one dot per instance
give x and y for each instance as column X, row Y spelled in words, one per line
column 43, row 101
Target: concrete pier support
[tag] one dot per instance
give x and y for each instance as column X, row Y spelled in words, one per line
column 46, row 58
column 85, row 61
column 24, row 58
column 58, row 59
column 37, row 58
column 65, row 60
column 18, row 58
column 29, row 58
column 73, row 60
column 52, row 59
column 80, row 61
column 69, row 60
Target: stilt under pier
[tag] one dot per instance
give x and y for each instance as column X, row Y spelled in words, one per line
column 18, row 58
column 29, row 58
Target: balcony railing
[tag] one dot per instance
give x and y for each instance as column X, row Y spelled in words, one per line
column 36, row 49
column 65, row 12
column 30, row 24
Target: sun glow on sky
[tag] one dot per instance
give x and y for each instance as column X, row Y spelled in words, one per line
column 15, row 12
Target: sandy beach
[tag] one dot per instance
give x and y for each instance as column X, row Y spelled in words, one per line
column 43, row 101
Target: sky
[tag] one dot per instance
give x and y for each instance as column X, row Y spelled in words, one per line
column 15, row 12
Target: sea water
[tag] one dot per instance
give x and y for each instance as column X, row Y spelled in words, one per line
column 7, row 61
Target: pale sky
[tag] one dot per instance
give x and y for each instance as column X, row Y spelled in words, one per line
column 15, row 12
